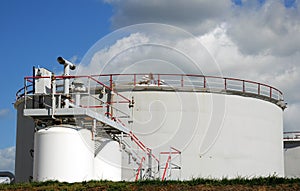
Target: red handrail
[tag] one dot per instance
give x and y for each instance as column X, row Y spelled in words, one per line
column 261, row 89
column 166, row 167
column 199, row 76
column 139, row 169
column 142, row 146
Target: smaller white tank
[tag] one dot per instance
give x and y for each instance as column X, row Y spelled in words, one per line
column 64, row 153
column 108, row 160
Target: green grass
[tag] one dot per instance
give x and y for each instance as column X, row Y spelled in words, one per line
column 151, row 184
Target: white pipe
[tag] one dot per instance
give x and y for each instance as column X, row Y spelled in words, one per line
column 67, row 66
column 53, row 81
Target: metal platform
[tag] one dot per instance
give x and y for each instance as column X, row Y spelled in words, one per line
column 75, row 112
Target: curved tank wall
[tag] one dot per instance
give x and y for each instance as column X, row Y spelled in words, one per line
column 63, row 153
column 108, row 160
column 220, row 135
column 24, row 145
column 292, row 158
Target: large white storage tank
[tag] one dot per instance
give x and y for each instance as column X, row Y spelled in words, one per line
column 64, row 153
column 220, row 133
column 219, row 127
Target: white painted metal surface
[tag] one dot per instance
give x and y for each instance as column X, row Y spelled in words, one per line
column 63, row 153
column 42, row 85
column 24, row 145
column 220, row 132
column 108, row 160
column 219, row 135
column 292, row 156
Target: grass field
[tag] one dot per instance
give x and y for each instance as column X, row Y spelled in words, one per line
column 270, row 183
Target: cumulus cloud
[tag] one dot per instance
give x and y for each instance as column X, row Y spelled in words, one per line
column 100, row 58
column 196, row 16
column 7, row 159
column 154, row 48
column 271, row 28
column 256, row 26
column 282, row 72
column 254, row 40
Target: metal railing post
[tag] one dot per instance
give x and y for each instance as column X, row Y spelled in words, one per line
column 134, row 80
column 181, row 80
column 25, row 94
column 110, row 81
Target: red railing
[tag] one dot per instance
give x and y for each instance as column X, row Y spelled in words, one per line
column 291, row 135
column 195, row 82
column 139, row 169
column 204, row 83
column 142, row 146
column 172, row 151
column 166, row 167
column 30, row 79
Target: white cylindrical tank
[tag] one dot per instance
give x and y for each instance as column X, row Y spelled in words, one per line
column 219, row 135
column 24, row 145
column 107, row 160
column 292, row 154
column 64, row 153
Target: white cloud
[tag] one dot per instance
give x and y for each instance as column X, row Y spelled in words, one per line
column 155, row 48
column 282, row 72
column 101, row 57
column 271, row 28
column 7, row 159
column 291, row 117
column 255, row 27
column 194, row 15
column 255, row 41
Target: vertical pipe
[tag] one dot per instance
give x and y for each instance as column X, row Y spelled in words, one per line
column 150, row 163
column 33, row 86
column 243, row 86
column 204, row 82
column 134, row 80
column 258, row 89
column 66, row 79
column 158, row 79
column 181, row 80
column 94, row 129
column 25, row 93
column 170, row 163
column 53, row 91
column 225, row 83
column 111, row 81
column 66, row 84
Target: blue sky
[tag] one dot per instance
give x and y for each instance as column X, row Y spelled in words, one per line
column 37, row 32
